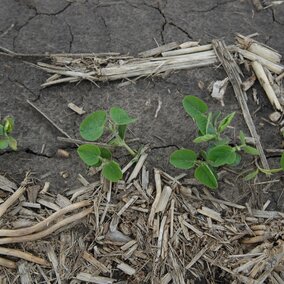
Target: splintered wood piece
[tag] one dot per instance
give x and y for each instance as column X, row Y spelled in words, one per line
column 62, row 201
column 192, row 228
column 78, row 110
column 88, row 257
column 45, row 187
column 127, row 269
column 138, row 167
column 83, row 276
column 7, row 185
column 210, row 213
column 54, row 260
column 188, row 44
column 14, row 197
column 129, row 203
column 157, row 198
column 48, row 204
column 233, row 73
column 160, row 237
column 188, row 50
column 50, row 230
column 164, row 199
column 196, row 258
column 273, row 67
column 158, row 50
column 258, row 48
column 140, row 190
column 128, row 245
column 263, row 80
column 8, row 263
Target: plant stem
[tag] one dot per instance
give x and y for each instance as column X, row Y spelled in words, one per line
column 131, row 152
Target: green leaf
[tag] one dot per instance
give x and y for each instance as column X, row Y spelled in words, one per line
column 204, row 138
column 4, row 143
column 215, row 117
column 201, row 122
column 8, row 124
column 92, row 127
column 120, row 117
column 112, row 171
column 183, row 159
column 205, row 175
column 90, row 154
column 105, row 153
column 1, row 130
column 237, row 160
column 251, row 175
column 209, row 125
column 282, row 161
column 121, row 131
column 242, row 138
column 194, row 106
column 221, row 155
column 12, row 143
column 225, row 122
column 117, row 141
column 250, row 150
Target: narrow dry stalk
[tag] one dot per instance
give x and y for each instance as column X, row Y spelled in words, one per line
column 42, row 234
column 14, row 197
column 138, row 167
column 157, row 198
column 23, row 255
column 188, row 50
column 46, row 222
column 233, row 73
column 158, row 50
column 8, row 263
column 263, row 80
column 88, row 257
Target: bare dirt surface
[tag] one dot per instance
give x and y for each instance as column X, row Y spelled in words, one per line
column 34, row 26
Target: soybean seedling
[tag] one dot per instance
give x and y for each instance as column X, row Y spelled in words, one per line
column 219, row 151
column 92, row 128
column 6, row 128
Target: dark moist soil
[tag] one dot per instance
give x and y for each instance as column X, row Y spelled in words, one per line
column 33, row 26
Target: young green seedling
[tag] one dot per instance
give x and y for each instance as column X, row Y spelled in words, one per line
column 219, row 151
column 6, row 128
column 254, row 173
column 92, row 128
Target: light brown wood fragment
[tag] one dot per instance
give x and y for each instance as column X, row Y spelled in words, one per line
column 129, row 203
column 210, row 213
column 48, row 204
column 128, row 245
column 164, row 252
column 166, row 279
column 140, row 190
column 189, row 50
column 78, row 110
column 45, row 187
column 160, row 237
column 158, row 50
column 53, row 259
column 14, row 197
column 192, row 228
column 158, row 183
column 7, row 185
column 138, row 167
column 127, row 269
column 262, row 78
column 88, row 257
column 8, row 263
column 189, row 44
column 164, row 199
column 184, row 228
column 61, row 153
column 196, row 257
column 62, row 201
column 172, row 212
column 83, row 276
column 233, row 72
column 31, row 205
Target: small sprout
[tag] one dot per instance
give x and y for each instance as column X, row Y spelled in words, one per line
column 219, row 151
column 6, row 140
column 92, row 128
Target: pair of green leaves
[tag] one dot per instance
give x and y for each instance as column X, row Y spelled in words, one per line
column 215, row 157
column 95, row 156
column 6, row 140
column 209, row 126
column 92, row 128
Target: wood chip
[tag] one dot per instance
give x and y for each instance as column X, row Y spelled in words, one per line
column 76, row 109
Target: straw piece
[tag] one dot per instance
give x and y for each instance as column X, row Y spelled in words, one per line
column 262, row 78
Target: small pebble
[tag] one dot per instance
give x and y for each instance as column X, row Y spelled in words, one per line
column 63, row 153
column 275, row 116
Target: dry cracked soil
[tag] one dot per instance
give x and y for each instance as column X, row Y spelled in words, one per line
column 128, row 27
